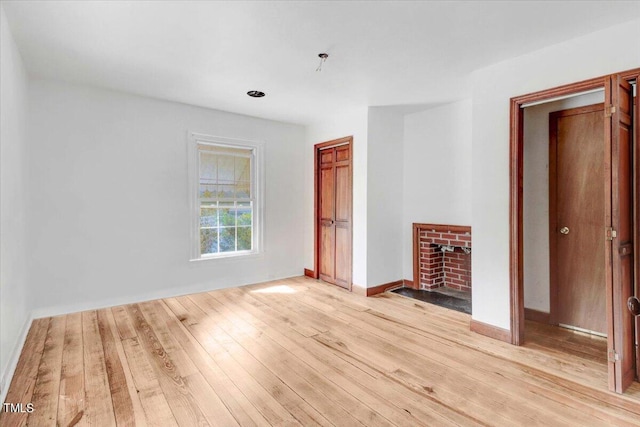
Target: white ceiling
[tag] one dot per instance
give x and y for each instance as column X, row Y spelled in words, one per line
column 211, row 53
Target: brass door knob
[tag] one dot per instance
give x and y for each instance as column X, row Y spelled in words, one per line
column 564, row 230
column 634, row 306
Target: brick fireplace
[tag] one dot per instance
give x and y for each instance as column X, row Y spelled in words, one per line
column 441, row 256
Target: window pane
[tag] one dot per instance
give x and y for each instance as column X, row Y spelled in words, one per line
column 208, row 166
column 225, row 173
column 208, row 217
column 243, row 190
column 227, row 214
column 208, row 191
column 226, row 169
column 244, row 238
column 226, row 191
column 228, row 239
column 209, row 241
column 244, row 214
column 243, row 169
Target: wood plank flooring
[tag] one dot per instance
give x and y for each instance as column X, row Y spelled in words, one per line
column 298, row 352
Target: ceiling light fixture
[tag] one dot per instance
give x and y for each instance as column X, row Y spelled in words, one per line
column 323, row 57
column 256, row 94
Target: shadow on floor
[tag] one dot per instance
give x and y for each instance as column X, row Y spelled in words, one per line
column 437, row 298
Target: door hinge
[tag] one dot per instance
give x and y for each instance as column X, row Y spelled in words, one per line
column 609, row 110
column 610, row 233
column 613, row 356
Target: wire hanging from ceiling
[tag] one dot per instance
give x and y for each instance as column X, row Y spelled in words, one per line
column 323, row 57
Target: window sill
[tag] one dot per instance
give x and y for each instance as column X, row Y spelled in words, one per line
column 229, row 257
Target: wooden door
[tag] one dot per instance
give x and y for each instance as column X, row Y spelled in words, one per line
column 334, row 196
column 619, row 249
column 577, row 220
column 636, row 220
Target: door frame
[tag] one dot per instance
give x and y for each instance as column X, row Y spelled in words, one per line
column 347, row 140
column 516, row 227
column 516, row 174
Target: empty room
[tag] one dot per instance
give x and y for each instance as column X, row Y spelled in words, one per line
column 335, row 213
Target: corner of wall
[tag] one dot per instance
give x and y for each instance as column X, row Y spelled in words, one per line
column 9, row 370
column 385, row 195
column 14, row 298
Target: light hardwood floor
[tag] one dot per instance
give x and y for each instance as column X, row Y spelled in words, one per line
column 299, row 352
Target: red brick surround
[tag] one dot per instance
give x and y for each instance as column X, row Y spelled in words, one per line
column 433, row 267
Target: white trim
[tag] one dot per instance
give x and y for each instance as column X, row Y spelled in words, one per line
column 149, row 296
column 228, row 257
column 258, row 198
column 559, row 98
column 10, row 370
column 340, row 144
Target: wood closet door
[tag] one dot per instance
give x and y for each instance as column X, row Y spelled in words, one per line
column 636, row 264
column 619, row 146
column 334, row 215
column 577, row 215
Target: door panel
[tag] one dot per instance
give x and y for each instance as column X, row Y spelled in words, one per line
column 576, row 187
column 343, row 199
column 326, row 157
column 327, row 193
column 343, row 255
column 618, row 132
column 327, row 251
column 342, row 153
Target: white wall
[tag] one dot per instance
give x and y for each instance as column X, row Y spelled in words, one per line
column 345, row 122
column 14, row 302
column 436, row 173
column 109, row 217
column 536, row 196
column 614, row 49
column 384, row 196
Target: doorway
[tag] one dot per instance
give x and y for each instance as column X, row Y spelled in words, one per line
column 333, row 211
column 620, row 207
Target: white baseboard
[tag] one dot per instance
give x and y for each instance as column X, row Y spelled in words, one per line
column 149, row 296
column 5, row 379
column 7, row 375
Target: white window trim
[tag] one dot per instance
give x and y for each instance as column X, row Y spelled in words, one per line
column 194, row 139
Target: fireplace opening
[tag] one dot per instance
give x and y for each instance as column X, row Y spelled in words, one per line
column 445, row 266
column 443, row 257
column 442, row 266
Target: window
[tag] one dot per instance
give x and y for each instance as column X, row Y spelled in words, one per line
column 226, row 197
